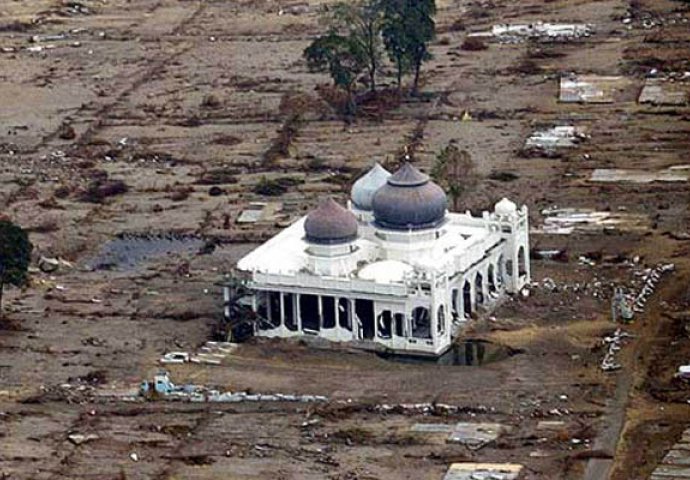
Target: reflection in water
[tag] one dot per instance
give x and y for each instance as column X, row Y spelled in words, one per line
column 471, row 353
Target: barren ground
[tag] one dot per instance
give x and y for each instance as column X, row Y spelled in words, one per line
column 173, row 97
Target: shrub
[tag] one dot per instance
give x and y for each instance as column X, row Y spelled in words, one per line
column 473, row 44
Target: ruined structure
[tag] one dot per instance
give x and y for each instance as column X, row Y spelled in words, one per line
column 393, row 271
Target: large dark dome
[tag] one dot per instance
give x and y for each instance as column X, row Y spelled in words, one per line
column 330, row 224
column 409, row 201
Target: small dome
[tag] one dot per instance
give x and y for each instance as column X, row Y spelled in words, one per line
column 330, row 224
column 364, row 189
column 409, row 201
column 505, row 207
column 386, row 271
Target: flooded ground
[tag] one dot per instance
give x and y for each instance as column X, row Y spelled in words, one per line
column 128, row 251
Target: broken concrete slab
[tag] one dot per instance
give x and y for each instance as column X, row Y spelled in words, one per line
column 432, row 428
column 475, row 435
column 483, row 471
column 591, row 88
column 678, row 173
column 676, row 463
column 659, row 91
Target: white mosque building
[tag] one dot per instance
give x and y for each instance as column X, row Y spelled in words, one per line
column 394, row 271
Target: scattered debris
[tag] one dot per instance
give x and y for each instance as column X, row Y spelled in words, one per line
column 677, row 173
column 549, row 32
column 78, row 438
column 163, row 387
column 483, row 471
column 472, row 435
column 650, row 278
column 565, row 221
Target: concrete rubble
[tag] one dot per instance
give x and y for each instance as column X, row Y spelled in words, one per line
column 676, row 173
column 564, row 136
column 483, row 471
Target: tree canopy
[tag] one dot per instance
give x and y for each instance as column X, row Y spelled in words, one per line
column 15, row 255
column 360, row 32
column 408, row 29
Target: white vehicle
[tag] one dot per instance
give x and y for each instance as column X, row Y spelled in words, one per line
column 175, row 357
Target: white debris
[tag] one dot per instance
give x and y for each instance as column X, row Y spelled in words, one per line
column 565, row 136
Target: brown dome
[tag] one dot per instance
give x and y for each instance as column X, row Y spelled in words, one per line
column 409, row 201
column 330, row 224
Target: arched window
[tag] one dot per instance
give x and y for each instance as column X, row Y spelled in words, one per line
column 421, row 323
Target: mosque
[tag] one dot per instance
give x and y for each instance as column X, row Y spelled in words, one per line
column 394, row 271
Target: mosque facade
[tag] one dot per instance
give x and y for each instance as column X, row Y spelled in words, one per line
column 392, row 271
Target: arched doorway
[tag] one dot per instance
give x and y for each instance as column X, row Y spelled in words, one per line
column 454, row 298
column 421, row 323
column 479, row 289
column 491, row 278
column 522, row 262
column 441, row 320
column 467, row 299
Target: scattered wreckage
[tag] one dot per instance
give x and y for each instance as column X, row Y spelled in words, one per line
column 162, row 387
column 614, row 342
column 546, row 32
column 212, row 353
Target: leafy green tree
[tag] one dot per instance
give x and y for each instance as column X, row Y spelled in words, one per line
column 408, row 29
column 362, row 21
column 15, row 256
column 342, row 57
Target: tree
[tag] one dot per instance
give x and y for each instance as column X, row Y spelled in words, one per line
column 362, row 22
column 454, row 170
column 408, row 29
column 15, row 255
column 342, row 57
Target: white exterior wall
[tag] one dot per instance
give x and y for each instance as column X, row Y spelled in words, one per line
column 492, row 244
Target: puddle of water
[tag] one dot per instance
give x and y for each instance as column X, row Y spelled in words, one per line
column 472, row 353
column 127, row 252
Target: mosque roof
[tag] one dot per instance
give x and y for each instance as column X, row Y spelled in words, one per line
column 409, row 201
column 330, row 224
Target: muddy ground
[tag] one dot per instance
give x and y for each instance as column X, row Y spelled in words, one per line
column 155, row 121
